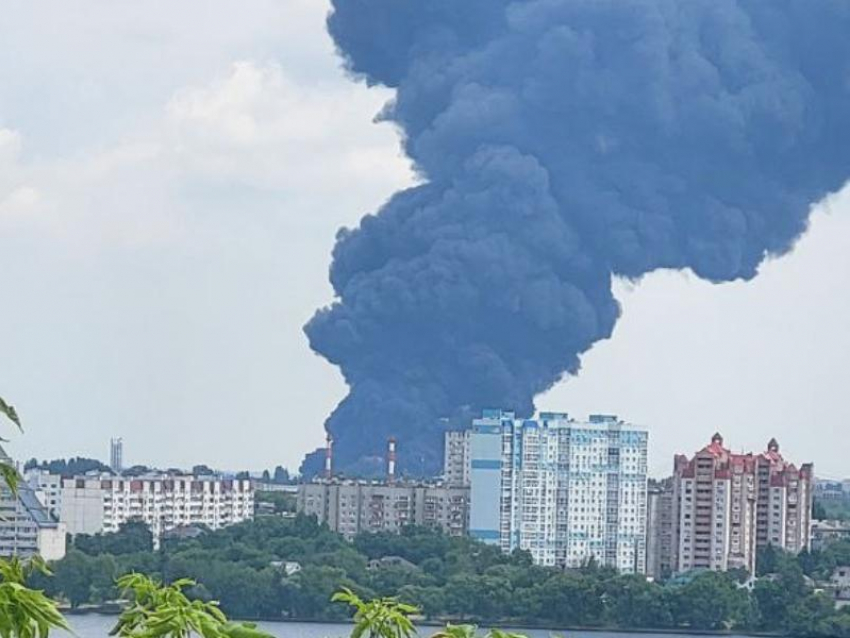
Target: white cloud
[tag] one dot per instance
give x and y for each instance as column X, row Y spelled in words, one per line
column 257, row 127
column 10, row 146
column 250, row 131
column 17, row 198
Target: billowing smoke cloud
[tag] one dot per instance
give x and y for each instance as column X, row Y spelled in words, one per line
column 561, row 143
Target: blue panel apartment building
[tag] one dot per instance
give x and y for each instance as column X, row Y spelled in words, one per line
column 564, row 490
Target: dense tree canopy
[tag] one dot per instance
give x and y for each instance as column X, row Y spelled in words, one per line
column 243, row 567
column 76, row 466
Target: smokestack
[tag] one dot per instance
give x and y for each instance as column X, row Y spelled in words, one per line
column 391, row 461
column 329, row 454
column 561, row 144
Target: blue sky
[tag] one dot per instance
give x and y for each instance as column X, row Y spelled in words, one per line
column 171, row 180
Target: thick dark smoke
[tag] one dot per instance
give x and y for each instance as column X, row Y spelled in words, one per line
column 562, row 143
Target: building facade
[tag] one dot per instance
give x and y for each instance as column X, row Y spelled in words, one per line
column 659, row 529
column 352, row 507
column 92, row 505
column 116, row 455
column 457, row 465
column 48, row 489
column 727, row 506
column 825, row 533
column 832, row 490
column 565, row 491
column 26, row 527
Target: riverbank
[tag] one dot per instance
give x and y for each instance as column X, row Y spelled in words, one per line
column 111, row 610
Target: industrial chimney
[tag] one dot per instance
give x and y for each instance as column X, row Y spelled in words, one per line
column 391, row 461
column 329, row 454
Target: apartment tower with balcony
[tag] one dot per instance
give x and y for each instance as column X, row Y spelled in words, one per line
column 566, row 491
column 727, row 506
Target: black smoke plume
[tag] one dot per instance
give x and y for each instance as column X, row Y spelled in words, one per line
column 562, row 143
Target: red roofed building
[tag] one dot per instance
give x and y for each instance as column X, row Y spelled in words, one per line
column 727, row 506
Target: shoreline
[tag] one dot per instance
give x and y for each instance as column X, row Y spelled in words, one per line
column 115, row 610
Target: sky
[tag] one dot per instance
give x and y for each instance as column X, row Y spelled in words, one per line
column 172, row 176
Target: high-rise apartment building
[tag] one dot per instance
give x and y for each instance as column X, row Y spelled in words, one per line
column 352, row 507
column 116, row 455
column 92, row 505
column 659, row 529
column 26, row 527
column 726, row 506
column 457, row 466
column 564, row 490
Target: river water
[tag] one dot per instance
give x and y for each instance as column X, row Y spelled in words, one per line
column 97, row 626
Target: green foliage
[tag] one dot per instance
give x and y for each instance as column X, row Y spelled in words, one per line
column 282, row 502
column 25, row 612
column 164, row 611
column 635, row 602
column 8, row 472
column 9, row 475
column 378, row 618
column 820, row 565
column 819, row 512
column 838, row 509
column 131, row 537
column 471, row 631
column 711, row 600
column 75, row 466
column 81, row 579
column 10, row 412
column 388, row 618
column 243, row 567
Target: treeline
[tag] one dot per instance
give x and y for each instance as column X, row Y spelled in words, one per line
column 832, row 509
column 243, row 568
column 75, row 466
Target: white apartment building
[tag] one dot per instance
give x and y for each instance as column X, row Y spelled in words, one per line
column 457, row 464
column 564, row 490
column 26, row 527
column 92, row 505
column 48, row 489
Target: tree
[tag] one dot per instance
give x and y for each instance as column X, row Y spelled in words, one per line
column 635, row 602
column 72, row 578
column 315, row 585
column 24, row 612
column 282, row 502
column 711, row 600
column 777, row 594
column 7, row 471
column 809, row 616
column 69, row 467
column 471, row 631
column 818, row 510
column 281, row 476
column 478, row 596
column 572, row 599
column 132, row 536
column 379, row 618
column 430, row 600
column 136, row 470
column 164, row 611
column 768, row 559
